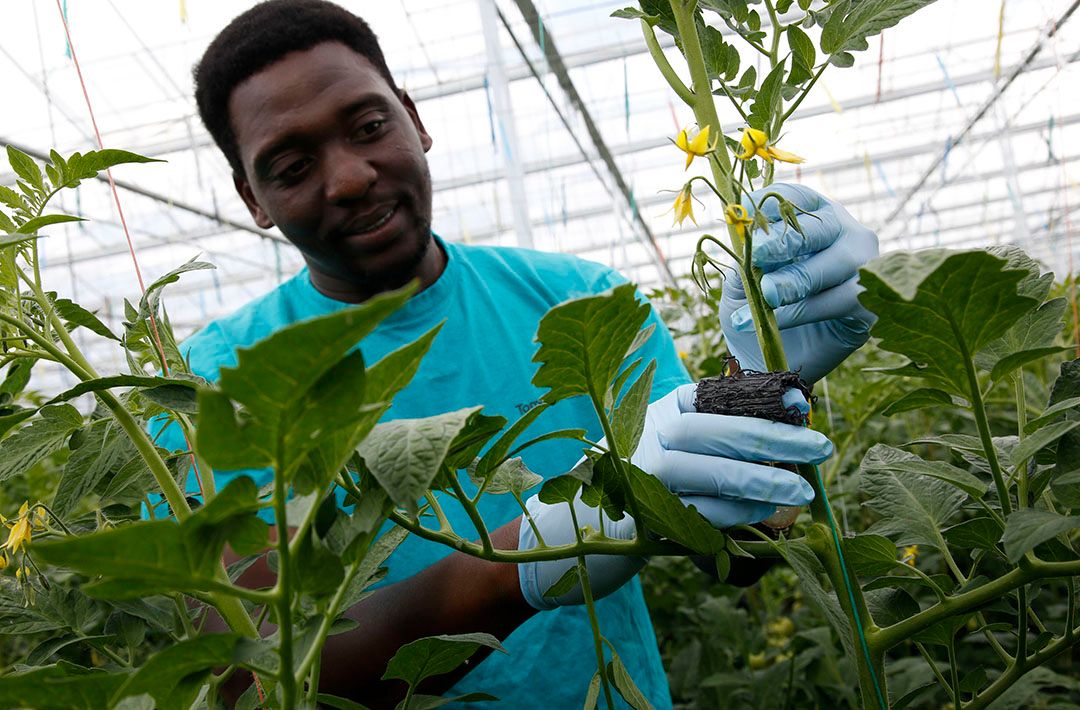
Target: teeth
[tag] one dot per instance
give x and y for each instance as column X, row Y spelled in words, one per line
column 380, row 222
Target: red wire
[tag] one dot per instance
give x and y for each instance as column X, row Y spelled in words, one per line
column 123, row 221
column 880, row 65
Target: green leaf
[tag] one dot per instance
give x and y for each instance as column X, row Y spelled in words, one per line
column 11, row 240
column 333, row 701
column 174, row 676
column 430, row 702
column 32, row 443
column 498, row 451
column 436, row 655
column 1050, row 413
column 913, row 508
column 561, row 489
column 75, row 315
column 888, row 459
column 801, row 558
column 1030, row 445
column 113, row 381
column 801, row 45
column 605, row 489
column 565, row 583
column 63, row 686
column 1034, row 331
column 275, row 377
column 629, row 691
column 870, row 555
column 32, row 226
column 592, row 696
column 665, row 514
column 943, row 632
column 25, row 167
column 918, row 399
column 1028, row 527
column 851, row 23
column 632, row 13
column 767, row 101
column 103, row 448
column 582, row 343
column 1007, row 364
column 936, row 306
column 628, row 419
column 158, row 556
column 891, row 606
column 1067, row 384
column 405, row 455
column 981, row 533
column 512, row 476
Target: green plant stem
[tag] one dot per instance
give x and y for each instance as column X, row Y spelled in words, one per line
column 702, row 101
column 884, row 639
column 664, row 65
column 1021, row 623
column 328, row 617
column 590, row 607
column 283, row 594
column 529, row 518
column 472, row 512
column 185, row 620
column 1014, row 672
column 954, row 673
column 872, row 668
column 777, row 30
column 979, row 410
column 805, row 92
column 1002, row 654
column 933, row 666
column 1021, row 423
column 440, row 515
column 620, row 465
column 607, row 546
column 202, row 468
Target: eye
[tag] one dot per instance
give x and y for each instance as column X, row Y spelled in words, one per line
column 292, row 170
column 369, row 129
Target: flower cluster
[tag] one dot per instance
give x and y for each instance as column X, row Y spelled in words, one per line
column 20, row 530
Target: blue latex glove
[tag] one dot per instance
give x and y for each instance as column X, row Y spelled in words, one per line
column 707, row 460
column 811, row 281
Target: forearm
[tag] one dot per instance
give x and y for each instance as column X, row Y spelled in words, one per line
column 458, row 594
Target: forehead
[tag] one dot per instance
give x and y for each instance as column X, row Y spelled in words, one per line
column 299, row 85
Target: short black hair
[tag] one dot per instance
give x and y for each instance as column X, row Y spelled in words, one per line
column 261, row 36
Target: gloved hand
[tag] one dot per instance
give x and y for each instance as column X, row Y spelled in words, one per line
column 811, row 281
column 706, row 459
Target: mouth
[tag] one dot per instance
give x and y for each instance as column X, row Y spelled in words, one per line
column 372, row 231
column 371, row 225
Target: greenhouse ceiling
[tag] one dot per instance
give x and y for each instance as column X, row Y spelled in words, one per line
column 957, row 128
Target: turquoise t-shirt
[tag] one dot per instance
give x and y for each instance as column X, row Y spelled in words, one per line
column 492, row 299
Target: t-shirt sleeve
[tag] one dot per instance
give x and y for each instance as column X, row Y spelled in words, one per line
column 670, row 371
column 207, row 352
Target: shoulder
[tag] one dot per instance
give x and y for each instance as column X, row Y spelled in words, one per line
column 566, row 273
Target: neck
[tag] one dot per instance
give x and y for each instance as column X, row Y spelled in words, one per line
column 427, row 272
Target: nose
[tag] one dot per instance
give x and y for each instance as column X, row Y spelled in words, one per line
column 348, row 175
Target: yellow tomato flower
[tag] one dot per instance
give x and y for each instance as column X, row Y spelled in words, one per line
column 696, row 148
column 757, row 661
column 683, row 354
column 3, row 562
column 736, row 215
column 684, row 206
column 20, row 530
column 41, row 518
column 755, row 143
column 909, row 554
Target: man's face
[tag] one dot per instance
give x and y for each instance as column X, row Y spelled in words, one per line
column 335, row 158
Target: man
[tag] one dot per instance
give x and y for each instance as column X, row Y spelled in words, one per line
column 324, row 146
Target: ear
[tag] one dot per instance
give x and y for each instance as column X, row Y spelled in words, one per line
column 243, row 188
column 425, row 138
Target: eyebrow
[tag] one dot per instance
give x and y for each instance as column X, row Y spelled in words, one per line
column 266, row 155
